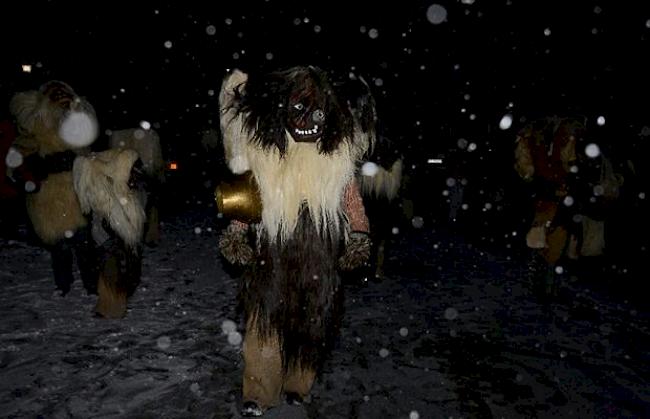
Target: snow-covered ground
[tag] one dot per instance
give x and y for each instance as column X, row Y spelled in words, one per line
column 452, row 331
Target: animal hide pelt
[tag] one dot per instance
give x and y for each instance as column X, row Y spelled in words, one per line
column 101, row 181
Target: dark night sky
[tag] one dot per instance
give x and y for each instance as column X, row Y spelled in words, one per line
column 496, row 51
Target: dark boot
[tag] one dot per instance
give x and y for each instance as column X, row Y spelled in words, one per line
column 62, row 266
column 294, row 399
column 87, row 260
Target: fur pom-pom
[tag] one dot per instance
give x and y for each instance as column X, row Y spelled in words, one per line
column 234, row 245
column 357, row 251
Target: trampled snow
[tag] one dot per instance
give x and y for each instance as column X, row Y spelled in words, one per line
column 452, row 331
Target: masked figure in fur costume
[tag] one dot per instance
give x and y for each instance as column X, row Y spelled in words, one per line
column 572, row 191
column 379, row 173
column 300, row 144
column 71, row 190
column 147, row 144
column 380, row 178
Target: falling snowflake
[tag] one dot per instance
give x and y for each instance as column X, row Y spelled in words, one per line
column 451, row 313
column 506, row 122
column 417, row 222
column 592, row 150
column 14, row 158
column 163, row 342
column 235, row 338
column 436, row 14
column 228, row 326
column 369, row 169
column 30, row 186
column 78, row 129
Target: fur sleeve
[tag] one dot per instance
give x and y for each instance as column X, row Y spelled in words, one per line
column 354, row 209
column 234, row 133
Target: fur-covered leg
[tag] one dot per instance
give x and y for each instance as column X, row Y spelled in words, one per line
column 379, row 260
column 556, row 240
column 572, row 251
column 297, row 383
column 118, row 279
column 545, row 212
column 262, row 381
column 593, row 237
column 62, row 266
column 132, row 272
column 152, row 235
column 111, row 301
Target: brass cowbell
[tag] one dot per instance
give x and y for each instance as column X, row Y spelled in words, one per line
column 240, row 199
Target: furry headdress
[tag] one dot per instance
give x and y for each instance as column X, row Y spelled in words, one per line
column 53, row 106
column 549, row 141
column 256, row 133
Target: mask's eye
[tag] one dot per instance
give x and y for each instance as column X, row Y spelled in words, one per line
column 318, row 115
column 299, row 106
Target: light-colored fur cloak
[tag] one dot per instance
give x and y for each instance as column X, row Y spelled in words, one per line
column 101, row 183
